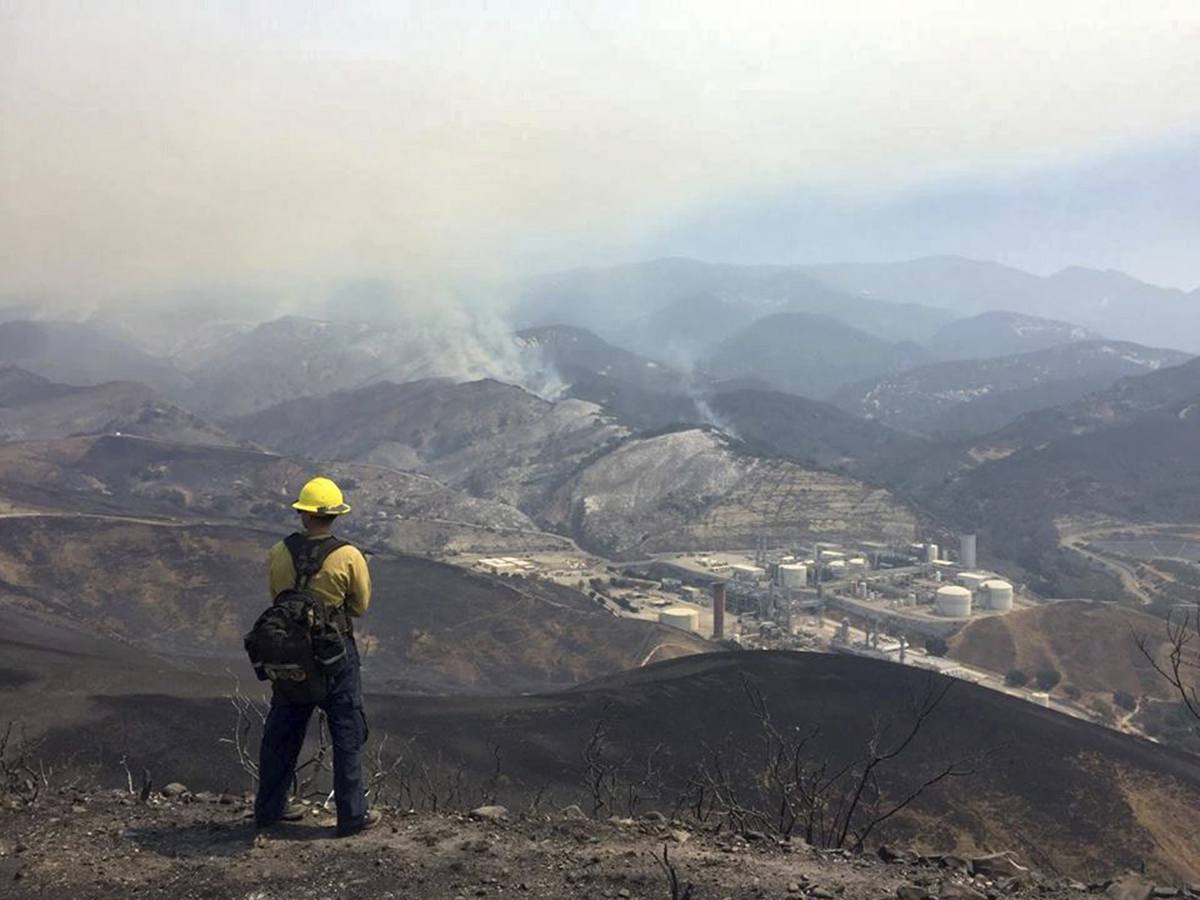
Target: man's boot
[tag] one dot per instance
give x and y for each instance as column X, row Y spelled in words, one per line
column 370, row 820
column 294, row 813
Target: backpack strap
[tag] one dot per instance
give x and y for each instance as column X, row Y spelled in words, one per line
column 308, row 555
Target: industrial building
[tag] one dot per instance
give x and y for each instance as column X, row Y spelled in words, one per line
column 792, row 575
column 745, row 572
column 504, row 565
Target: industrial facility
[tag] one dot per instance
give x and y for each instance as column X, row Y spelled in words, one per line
column 762, row 596
column 885, row 601
column 912, row 586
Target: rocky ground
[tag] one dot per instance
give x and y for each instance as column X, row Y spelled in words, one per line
column 106, row 844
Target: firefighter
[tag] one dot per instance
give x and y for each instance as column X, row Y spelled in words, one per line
column 343, row 583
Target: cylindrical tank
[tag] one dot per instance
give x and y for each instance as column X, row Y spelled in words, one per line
column 831, row 555
column 999, row 594
column 966, row 551
column 856, row 565
column 681, row 617
column 793, row 575
column 931, row 553
column 953, row 601
column 837, row 568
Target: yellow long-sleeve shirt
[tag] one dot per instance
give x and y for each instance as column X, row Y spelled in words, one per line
column 344, row 579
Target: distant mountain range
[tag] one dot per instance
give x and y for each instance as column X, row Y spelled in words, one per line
column 758, row 349
column 905, row 301
column 71, row 353
column 643, row 305
column 982, row 395
column 1108, row 302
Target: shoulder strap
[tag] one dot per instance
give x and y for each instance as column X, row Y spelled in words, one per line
column 308, row 555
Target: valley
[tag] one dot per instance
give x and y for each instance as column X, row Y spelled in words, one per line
column 604, row 525
column 592, row 451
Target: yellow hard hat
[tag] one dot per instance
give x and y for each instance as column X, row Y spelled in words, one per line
column 322, row 497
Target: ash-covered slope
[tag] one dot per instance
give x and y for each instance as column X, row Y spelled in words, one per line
column 33, row 408
column 80, row 844
column 1062, row 793
column 573, row 470
column 492, row 439
column 978, row 396
column 132, row 477
column 697, row 488
column 1068, row 797
column 186, row 594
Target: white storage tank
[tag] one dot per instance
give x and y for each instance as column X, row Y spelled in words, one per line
column 999, row 595
column 831, row 555
column 837, row 569
column 856, row 565
column 953, row 601
column 793, row 575
column 681, row 617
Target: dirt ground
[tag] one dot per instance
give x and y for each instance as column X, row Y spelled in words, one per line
column 110, row 845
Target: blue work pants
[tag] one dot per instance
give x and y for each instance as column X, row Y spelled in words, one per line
column 283, row 736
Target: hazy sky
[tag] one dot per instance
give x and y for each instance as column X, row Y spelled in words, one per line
column 277, row 145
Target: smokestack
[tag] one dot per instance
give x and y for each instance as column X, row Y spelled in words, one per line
column 718, row 610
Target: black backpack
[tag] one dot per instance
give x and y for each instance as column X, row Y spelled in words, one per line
column 298, row 642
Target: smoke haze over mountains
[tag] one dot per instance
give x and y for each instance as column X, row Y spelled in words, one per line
column 284, row 151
